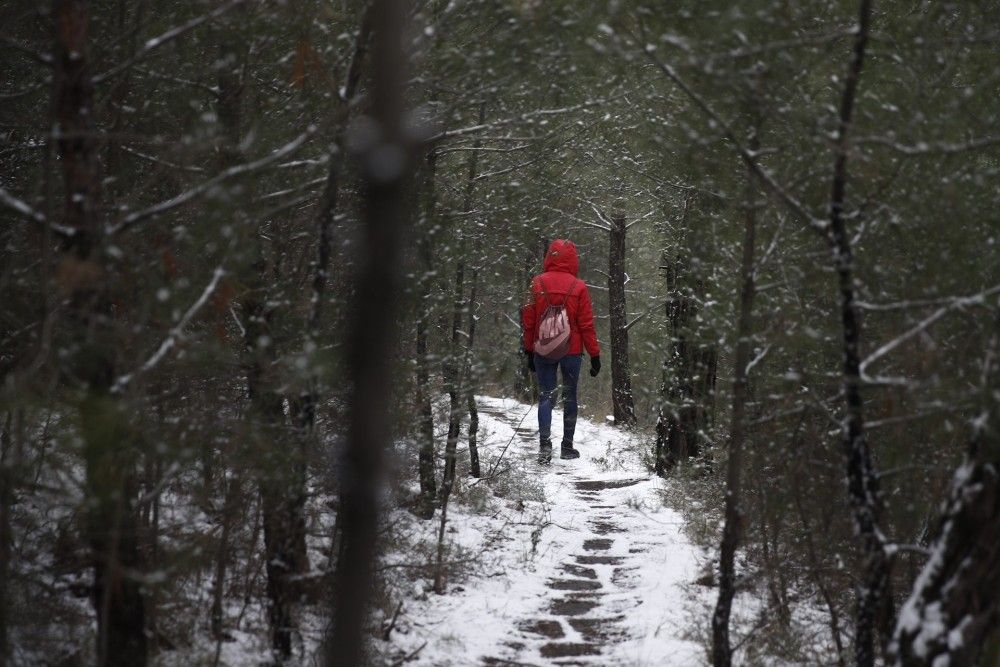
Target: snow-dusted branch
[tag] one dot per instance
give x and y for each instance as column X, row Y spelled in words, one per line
column 930, row 148
column 956, row 303
column 605, row 223
column 20, row 206
column 37, row 56
column 156, row 42
column 165, row 163
column 173, row 336
column 587, row 223
column 483, row 149
column 25, row 210
column 640, row 316
column 481, row 127
column 206, row 186
column 640, row 219
column 914, row 303
column 780, row 45
column 759, row 357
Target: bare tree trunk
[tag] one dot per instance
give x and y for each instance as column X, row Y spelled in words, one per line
column 281, row 524
column 216, row 616
column 621, row 380
column 425, row 409
column 306, row 403
column 457, row 366
column 112, row 524
column 474, row 468
column 817, row 575
column 305, row 406
column 673, row 392
column 453, row 371
column 280, row 476
column 371, row 339
column 525, row 389
column 688, row 384
column 722, row 655
column 6, row 539
column 863, row 486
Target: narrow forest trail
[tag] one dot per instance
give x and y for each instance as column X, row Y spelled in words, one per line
column 606, row 581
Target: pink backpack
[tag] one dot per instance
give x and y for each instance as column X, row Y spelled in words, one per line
column 553, row 329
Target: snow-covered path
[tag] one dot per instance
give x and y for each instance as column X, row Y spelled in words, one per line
column 605, row 582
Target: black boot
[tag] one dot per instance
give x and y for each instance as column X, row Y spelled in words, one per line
column 568, row 452
column 545, row 451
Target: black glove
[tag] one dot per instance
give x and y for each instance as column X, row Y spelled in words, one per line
column 595, row 366
column 531, row 360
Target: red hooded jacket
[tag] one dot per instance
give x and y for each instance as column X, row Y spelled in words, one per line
column 562, row 286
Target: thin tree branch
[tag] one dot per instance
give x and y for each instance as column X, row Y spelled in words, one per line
column 26, row 211
column 172, row 337
column 155, row 42
column 206, row 186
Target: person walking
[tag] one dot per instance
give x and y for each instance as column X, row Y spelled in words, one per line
column 558, row 323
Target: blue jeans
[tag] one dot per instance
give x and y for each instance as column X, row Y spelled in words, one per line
column 570, row 365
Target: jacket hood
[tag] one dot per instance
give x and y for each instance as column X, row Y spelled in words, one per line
column 562, row 257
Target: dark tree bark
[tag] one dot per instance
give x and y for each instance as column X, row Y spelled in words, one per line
column 305, row 405
column 371, row 337
column 621, row 381
column 109, row 448
column 453, row 371
column 6, row 539
column 425, row 410
column 280, row 523
column 457, row 366
column 688, row 386
column 525, row 389
column 474, row 466
column 470, row 392
column 953, row 609
column 280, row 476
column 327, row 210
column 873, row 606
column 722, row 655
column 216, row 618
column 815, row 570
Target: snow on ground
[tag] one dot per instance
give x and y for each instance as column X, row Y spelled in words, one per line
column 606, row 580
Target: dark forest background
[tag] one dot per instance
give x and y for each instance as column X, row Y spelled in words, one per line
column 247, row 245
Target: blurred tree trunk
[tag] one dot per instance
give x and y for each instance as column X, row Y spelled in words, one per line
column 621, row 379
column 371, row 341
column 304, row 406
column 89, row 369
column 722, row 655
